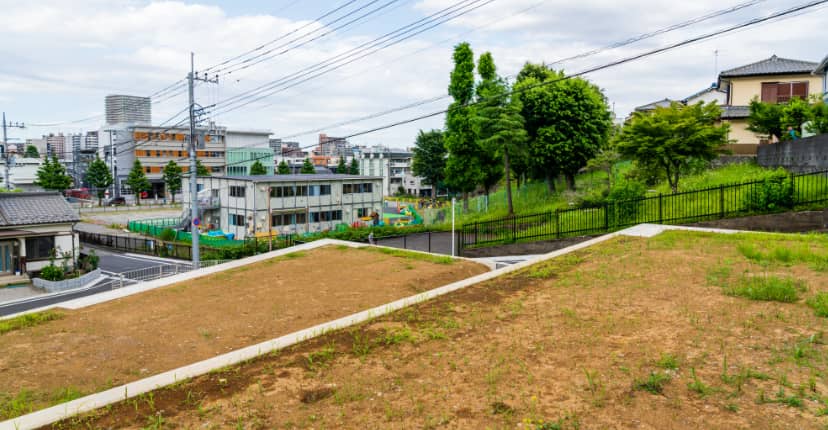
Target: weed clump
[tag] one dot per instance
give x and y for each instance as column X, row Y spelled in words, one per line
column 767, row 288
column 653, row 384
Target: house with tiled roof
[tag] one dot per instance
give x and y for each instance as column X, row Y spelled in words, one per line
column 31, row 226
column 772, row 80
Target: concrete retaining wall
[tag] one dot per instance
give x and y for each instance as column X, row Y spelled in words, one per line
column 67, row 284
column 799, row 156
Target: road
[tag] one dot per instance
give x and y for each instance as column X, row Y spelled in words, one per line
column 110, row 264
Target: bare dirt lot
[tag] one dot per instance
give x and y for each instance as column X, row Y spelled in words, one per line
column 119, row 341
column 634, row 333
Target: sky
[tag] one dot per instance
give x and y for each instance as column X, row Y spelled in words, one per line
column 61, row 58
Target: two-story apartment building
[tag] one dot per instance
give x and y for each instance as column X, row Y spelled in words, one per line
column 251, row 206
column 772, row 80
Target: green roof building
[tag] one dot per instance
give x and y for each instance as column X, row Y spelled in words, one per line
column 239, row 160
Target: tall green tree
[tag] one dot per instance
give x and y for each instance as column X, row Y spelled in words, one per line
column 342, row 168
column 307, row 167
column 283, row 168
column 498, row 123
column 257, row 169
column 99, row 177
column 672, row 138
column 172, row 178
column 52, row 175
column 31, row 152
column 567, row 121
column 353, row 169
column 463, row 170
column 795, row 113
column 138, row 181
column 429, row 160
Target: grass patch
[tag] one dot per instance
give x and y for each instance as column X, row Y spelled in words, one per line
column 654, row 383
column 16, row 405
column 28, row 320
column 401, row 253
column 697, row 386
column 668, row 361
column 767, row 288
column 819, row 303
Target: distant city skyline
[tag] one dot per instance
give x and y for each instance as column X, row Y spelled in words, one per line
column 64, row 58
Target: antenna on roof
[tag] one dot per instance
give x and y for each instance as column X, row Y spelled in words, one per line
column 716, row 62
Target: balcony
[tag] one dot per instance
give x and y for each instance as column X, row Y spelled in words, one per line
column 209, row 203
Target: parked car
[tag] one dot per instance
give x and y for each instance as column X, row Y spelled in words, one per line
column 116, row 201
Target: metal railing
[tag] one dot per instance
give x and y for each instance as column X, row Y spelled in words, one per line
column 119, row 280
column 724, row 201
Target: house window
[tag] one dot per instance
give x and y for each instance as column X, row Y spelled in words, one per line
column 39, row 248
column 301, row 190
column 237, row 191
column 782, row 92
column 367, row 188
column 237, row 220
column 347, row 188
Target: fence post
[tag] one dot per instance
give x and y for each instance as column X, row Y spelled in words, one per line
column 660, row 208
column 514, row 228
column 429, row 241
column 793, row 190
column 405, row 241
column 121, row 276
column 557, row 223
column 721, row 202
column 606, row 215
column 160, row 272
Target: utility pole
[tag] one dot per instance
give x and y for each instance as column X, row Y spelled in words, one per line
column 194, row 220
column 6, row 147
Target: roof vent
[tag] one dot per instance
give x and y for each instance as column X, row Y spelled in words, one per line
column 774, row 57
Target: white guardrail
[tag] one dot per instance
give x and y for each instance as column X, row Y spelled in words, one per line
column 157, row 272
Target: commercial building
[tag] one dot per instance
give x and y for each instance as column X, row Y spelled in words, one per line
column 239, row 160
column 124, row 109
column 23, row 173
column 250, row 206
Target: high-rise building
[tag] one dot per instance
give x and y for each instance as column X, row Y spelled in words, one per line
column 55, row 145
column 91, row 140
column 122, row 109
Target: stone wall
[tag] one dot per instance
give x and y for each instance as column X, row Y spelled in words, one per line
column 67, row 284
column 799, row 156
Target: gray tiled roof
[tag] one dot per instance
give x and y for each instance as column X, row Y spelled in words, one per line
column 35, row 208
column 651, row 106
column 771, row 66
column 733, row 112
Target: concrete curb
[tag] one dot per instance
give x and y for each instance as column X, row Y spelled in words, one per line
column 94, row 401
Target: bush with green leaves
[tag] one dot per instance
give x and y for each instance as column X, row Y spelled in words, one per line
column 168, row 235
column 89, row 262
column 774, row 193
column 623, row 202
column 52, row 273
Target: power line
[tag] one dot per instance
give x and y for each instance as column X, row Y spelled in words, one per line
column 389, row 39
column 260, row 47
column 585, row 54
column 271, row 53
column 749, row 23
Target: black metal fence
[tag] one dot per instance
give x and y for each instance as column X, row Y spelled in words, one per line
column 725, row 201
column 141, row 245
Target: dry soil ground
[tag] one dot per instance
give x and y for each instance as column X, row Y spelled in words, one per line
column 119, row 341
column 635, row 333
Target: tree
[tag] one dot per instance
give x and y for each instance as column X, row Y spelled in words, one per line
column 567, row 121
column 283, row 168
column 795, row 113
column 353, row 169
column 31, row 152
column 307, row 168
column 819, row 118
column 172, row 178
column 99, row 177
column 52, row 175
column 498, row 123
column 605, row 160
column 138, row 181
column 201, row 170
column 342, row 168
column 463, row 171
column 257, row 169
column 765, row 119
column 671, row 138
column 429, row 160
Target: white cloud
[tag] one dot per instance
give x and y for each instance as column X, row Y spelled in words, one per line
column 64, row 57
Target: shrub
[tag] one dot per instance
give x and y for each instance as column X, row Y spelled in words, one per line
column 774, row 193
column 52, row 273
column 624, row 202
column 89, row 262
column 168, row 235
column 820, row 304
